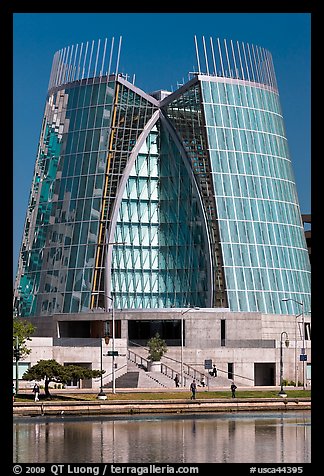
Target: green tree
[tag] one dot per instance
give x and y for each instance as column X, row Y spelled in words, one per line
column 22, row 330
column 157, row 348
column 52, row 371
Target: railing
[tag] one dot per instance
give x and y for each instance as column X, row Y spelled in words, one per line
column 137, row 359
column 235, row 375
column 144, row 364
column 189, row 372
column 171, row 373
column 105, row 376
column 193, row 373
column 225, row 372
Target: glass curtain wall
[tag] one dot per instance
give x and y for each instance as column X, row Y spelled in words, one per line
column 263, row 244
column 89, row 130
column 130, row 114
column 236, row 230
column 185, row 113
column 164, row 262
column 61, row 230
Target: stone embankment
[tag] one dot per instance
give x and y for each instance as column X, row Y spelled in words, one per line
column 129, row 407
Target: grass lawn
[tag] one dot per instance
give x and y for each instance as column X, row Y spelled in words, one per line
column 202, row 394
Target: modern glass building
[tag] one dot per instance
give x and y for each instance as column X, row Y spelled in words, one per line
column 163, row 199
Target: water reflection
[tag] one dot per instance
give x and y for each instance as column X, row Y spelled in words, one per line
column 222, row 438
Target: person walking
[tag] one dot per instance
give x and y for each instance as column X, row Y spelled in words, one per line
column 233, row 388
column 202, row 381
column 214, row 372
column 176, row 380
column 193, row 388
column 36, row 392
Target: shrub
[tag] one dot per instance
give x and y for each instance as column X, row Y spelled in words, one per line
column 157, row 348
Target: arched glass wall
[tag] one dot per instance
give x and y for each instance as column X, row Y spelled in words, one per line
column 163, row 263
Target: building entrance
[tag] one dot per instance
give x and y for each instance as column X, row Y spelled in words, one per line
column 264, row 373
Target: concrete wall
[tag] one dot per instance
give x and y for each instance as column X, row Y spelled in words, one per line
column 87, row 354
column 250, row 338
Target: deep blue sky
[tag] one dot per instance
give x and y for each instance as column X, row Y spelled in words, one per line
column 159, row 49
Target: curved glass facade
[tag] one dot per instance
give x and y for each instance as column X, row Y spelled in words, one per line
column 261, row 231
column 187, row 200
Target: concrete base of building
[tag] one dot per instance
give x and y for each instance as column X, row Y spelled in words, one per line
column 245, row 347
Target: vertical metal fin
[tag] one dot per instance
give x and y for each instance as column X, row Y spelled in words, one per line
column 235, row 60
column 213, row 56
column 206, row 58
column 110, row 58
column 197, row 55
column 118, row 55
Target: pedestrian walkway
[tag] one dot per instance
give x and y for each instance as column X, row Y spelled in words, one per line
column 181, row 405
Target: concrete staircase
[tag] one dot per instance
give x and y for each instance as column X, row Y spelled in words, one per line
column 137, row 376
column 128, row 380
column 154, row 380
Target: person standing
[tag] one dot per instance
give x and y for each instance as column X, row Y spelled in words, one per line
column 13, row 392
column 214, row 372
column 233, row 388
column 193, row 388
column 176, row 380
column 36, row 392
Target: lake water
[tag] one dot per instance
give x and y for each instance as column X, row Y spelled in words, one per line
column 243, row 437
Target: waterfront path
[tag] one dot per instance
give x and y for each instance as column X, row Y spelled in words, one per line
column 185, row 405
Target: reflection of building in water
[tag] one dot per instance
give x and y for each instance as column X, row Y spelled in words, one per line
column 219, row 439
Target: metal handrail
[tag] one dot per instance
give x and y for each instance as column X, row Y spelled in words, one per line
column 192, row 372
column 136, row 356
column 109, row 374
column 165, row 369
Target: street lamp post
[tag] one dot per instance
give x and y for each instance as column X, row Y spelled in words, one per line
column 296, row 346
column 101, row 394
column 113, row 343
column 108, row 247
column 17, row 356
column 181, row 358
column 282, row 393
column 182, row 332
column 302, row 334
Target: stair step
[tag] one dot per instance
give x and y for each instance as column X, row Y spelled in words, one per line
column 127, row 380
column 137, row 376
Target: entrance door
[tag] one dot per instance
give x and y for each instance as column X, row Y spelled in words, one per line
column 264, row 373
